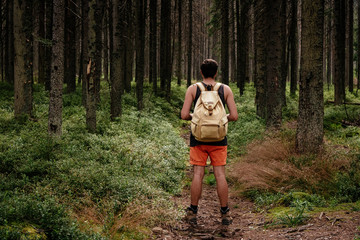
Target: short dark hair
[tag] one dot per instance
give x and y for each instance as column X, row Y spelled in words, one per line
column 209, row 68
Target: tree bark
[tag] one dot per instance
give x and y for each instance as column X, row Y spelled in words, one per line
column 243, row 37
column 57, row 70
column 48, row 34
column 85, row 47
column 42, row 44
column 179, row 49
column 70, row 50
column 117, row 58
column 140, row 48
column 92, row 71
column 339, row 50
column 309, row 133
column 350, row 49
column 260, row 56
column 225, row 41
column 189, row 52
column 293, row 48
column 153, row 45
column 9, row 43
column 129, row 61
column 275, row 19
column 23, row 77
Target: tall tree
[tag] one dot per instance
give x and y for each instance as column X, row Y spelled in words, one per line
column 9, row 43
column 165, row 48
column 358, row 48
column 293, row 48
column 23, row 77
column 117, row 58
column 48, row 35
column 57, row 70
column 189, row 46
column 225, row 41
column 42, row 43
column 129, row 42
column 339, row 50
column 260, row 56
column 140, row 48
column 92, row 69
column 179, row 43
column 85, row 47
column 153, row 45
column 70, row 46
column 350, row 44
column 309, row 133
column 243, row 37
column 275, row 19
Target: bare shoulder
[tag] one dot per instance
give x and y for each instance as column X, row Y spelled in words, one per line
column 191, row 90
column 227, row 90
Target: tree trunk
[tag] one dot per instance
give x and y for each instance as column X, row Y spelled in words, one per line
column 339, row 50
column 293, row 48
column 129, row 61
column 23, row 77
column 243, row 37
column 309, row 134
column 9, row 43
column 358, row 49
column 70, row 50
column 57, row 70
column 48, row 34
column 85, row 48
column 225, row 41
column 117, row 58
column 275, row 19
column 233, row 42
column 140, row 48
column 189, row 52
column 153, row 45
column 42, row 44
column 179, row 50
column 350, row 49
column 165, row 47
column 260, row 80
column 92, row 71
column 98, row 46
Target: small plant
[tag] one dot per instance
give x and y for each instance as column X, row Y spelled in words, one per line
column 210, row 179
column 298, row 216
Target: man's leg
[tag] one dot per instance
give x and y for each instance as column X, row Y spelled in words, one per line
column 221, row 184
column 196, row 185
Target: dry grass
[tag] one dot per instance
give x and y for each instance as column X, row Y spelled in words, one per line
column 143, row 214
column 273, row 165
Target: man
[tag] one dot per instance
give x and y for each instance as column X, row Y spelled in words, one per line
column 199, row 151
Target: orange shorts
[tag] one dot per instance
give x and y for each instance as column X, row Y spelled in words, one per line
column 199, row 155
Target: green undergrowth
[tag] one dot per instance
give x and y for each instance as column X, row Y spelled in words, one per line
column 338, row 190
column 79, row 184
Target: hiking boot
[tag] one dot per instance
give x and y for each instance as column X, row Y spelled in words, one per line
column 191, row 216
column 225, row 217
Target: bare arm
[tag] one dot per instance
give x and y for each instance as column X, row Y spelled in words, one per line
column 229, row 98
column 189, row 98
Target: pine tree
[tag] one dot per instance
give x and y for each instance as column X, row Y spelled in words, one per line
column 57, row 70
column 309, row 133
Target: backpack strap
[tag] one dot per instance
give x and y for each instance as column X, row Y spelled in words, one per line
column 201, row 86
column 217, row 86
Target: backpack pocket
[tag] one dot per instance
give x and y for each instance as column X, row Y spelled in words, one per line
column 223, row 127
column 195, row 128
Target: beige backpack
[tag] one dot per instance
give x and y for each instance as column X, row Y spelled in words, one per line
column 209, row 122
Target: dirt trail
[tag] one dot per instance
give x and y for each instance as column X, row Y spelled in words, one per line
column 248, row 224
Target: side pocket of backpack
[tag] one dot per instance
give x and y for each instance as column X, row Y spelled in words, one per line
column 195, row 128
column 223, row 127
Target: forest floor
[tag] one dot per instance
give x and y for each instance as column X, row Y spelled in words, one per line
column 250, row 223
